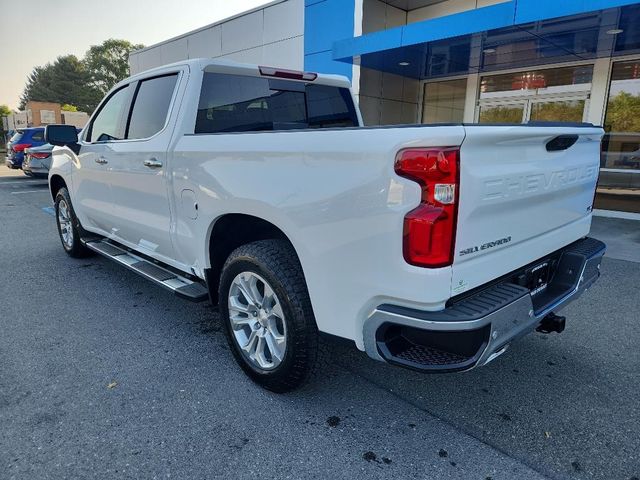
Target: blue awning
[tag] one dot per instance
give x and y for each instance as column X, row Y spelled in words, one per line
column 519, row 33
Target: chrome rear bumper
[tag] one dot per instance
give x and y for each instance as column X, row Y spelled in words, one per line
column 477, row 328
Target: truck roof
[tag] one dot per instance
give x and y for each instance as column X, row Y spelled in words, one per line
column 232, row 67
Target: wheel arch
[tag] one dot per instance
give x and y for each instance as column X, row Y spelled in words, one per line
column 56, row 182
column 231, row 231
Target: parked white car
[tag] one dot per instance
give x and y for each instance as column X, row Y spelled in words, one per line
column 430, row 247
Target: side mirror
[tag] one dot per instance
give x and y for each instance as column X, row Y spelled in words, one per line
column 62, row 135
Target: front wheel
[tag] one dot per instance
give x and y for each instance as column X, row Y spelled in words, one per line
column 267, row 315
column 69, row 226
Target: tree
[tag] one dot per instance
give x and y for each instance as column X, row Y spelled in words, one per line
column 108, row 63
column 68, row 108
column 4, row 111
column 64, row 81
column 623, row 113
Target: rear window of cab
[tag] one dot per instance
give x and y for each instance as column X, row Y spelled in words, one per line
column 239, row 103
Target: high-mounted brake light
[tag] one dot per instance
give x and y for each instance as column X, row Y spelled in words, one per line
column 19, row 147
column 288, row 74
column 430, row 229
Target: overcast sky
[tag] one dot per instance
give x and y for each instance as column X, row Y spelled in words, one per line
column 35, row 32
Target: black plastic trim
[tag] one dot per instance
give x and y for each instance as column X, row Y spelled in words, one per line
column 474, row 307
column 432, row 351
column 561, row 142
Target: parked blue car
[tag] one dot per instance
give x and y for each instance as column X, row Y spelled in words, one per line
column 23, row 138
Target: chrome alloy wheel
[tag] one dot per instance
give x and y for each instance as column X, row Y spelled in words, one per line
column 257, row 320
column 65, row 224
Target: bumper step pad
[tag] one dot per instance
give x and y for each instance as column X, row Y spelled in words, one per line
column 477, row 327
column 182, row 286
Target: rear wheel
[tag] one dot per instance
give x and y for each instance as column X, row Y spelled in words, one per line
column 267, row 315
column 69, row 226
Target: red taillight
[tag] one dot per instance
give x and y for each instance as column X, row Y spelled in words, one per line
column 19, row 147
column 288, row 74
column 39, row 155
column 430, row 229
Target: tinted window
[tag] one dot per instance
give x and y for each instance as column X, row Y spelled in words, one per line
column 16, row 136
column 111, row 120
column 151, row 106
column 234, row 103
column 37, row 136
column 330, row 107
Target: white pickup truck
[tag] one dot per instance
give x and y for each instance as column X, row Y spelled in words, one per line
column 431, row 247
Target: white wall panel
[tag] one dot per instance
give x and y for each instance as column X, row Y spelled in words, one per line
column 285, row 54
column 243, row 32
column 251, row 55
column 284, row 20
column 205, row 43
column 134, row 63
column 392, row 86
column 448, row 7
column 378, row 16
column 150, row 58
column 440, row 10
column 486, row 3
column 391, row 112
column 370, row 109
column 174, row 51
column 279, row 28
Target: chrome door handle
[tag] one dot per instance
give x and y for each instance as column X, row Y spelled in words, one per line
column 101, row 160
column 152, row 163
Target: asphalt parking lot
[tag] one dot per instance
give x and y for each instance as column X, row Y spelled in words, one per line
column 105, row 375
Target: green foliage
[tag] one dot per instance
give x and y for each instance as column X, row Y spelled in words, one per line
column 108, row 63
column 501, row 115
column 563, row 111
column 623, row 113
column 80, row 84
column 68, row 108
column 64, row 81
column 4, row 111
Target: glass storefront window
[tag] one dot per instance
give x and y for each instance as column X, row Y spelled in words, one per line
column 552, row 80
column 444, row 101
column 558, row 111
column 621, row 145
column 551, row 95
column 502, row 113
column 619, row 184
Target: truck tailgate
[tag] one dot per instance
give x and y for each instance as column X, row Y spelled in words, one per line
column 521, row 197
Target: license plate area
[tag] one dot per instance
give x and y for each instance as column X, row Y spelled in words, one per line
column 537, row 278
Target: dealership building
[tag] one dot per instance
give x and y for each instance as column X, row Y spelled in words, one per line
column 434, row 61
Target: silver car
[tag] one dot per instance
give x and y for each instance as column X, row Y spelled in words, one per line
column 37, row 161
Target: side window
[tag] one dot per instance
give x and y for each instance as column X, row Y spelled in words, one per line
column 111, row 120
column 330, row 107
column 38, row 136
column 151, row 106
column 233, row 103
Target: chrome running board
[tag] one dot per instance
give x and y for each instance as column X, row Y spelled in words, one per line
column 195, row 291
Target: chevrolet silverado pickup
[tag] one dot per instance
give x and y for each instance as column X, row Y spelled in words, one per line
column 431, row 247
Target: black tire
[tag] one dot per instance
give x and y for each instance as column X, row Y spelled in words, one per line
column 277, row 263
column 72, row 244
